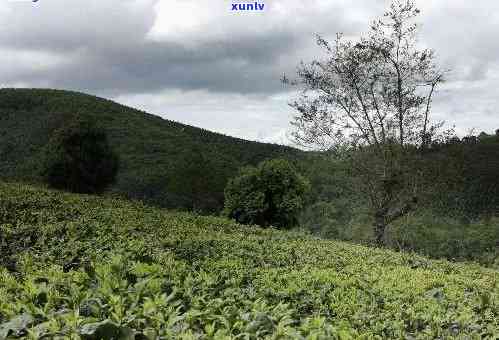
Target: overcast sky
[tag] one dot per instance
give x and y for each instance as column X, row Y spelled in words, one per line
column 198, row 62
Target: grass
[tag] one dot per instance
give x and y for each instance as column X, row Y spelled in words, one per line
column 84, row 267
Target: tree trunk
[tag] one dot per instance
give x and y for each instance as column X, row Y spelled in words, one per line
column 379, row 228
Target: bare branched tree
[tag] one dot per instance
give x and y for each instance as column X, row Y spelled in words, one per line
column 373, row 95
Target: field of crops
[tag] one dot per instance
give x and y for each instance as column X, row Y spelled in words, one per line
column 81, row 267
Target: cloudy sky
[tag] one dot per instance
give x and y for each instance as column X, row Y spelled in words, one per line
column 198, row 62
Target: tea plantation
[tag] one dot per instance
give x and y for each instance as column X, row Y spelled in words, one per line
column 82, row 267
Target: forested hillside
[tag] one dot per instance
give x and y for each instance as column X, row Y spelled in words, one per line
column 164, row 162
column 457, row 216
column 468, row 170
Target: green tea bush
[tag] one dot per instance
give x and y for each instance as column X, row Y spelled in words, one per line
column 98, row 268
column 270, row 194
column 80, row 159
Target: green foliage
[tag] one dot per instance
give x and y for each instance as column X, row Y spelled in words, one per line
column 426, row 232
column 158, row 158
column 332, row 201
column 447, row 237
column 80, row 159
column 457, row 215
column 463, row 177
column 102, row 268
column 270, row 194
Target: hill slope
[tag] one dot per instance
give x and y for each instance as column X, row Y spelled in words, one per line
column 87, row 267
column 169, row 163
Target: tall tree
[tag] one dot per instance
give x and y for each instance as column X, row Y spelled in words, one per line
column 373, row 95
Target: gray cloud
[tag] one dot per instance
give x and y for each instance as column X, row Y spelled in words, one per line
column 197, row 62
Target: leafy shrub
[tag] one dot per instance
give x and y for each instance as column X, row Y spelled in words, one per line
column 270, row 194
column 80, row 159
column 101, row 268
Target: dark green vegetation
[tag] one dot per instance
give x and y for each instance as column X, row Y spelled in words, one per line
column 178, row 166
column 79, row 159
column 272, row 193
column 162, row 162
column 457, row 216
column 87, row 267
column 465, row 177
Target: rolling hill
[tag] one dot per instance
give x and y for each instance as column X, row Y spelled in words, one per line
column 163, row 162
column 84, row 267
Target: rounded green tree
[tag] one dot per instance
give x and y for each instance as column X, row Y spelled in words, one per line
column 270, row 194
column 80, row 159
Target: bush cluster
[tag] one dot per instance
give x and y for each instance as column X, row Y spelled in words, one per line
column 86, row 267
column 272, row 193
column 80, row 159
